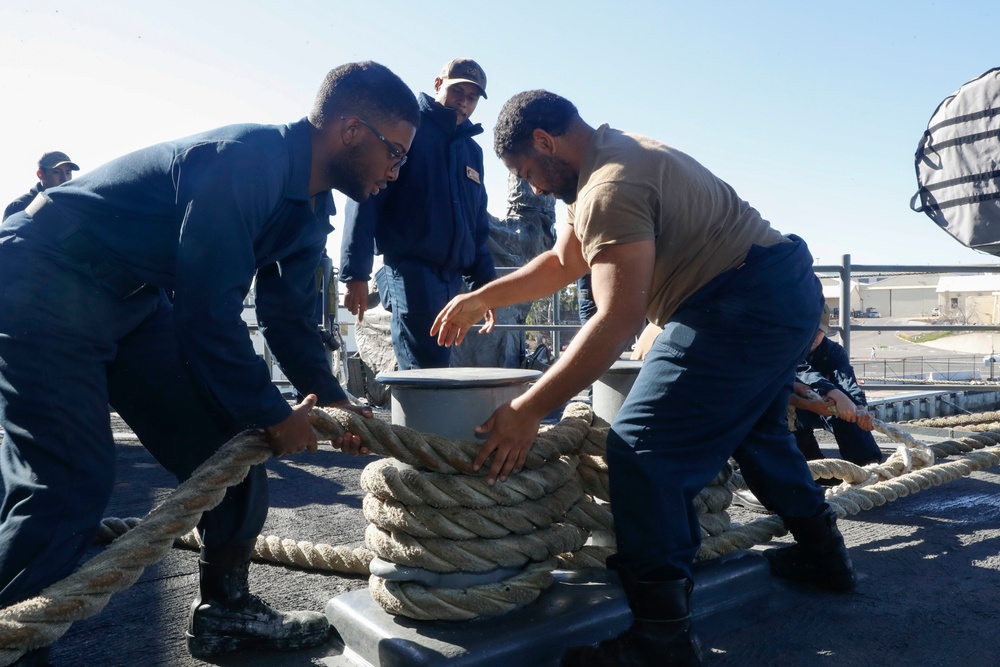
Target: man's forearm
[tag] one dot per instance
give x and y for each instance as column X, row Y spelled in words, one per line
column 539, row 278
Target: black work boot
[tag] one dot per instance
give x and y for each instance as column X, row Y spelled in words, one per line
column 818, row 557
column 226, row 616
column 660, row 635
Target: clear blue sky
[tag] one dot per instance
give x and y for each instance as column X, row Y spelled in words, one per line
column 812, row 111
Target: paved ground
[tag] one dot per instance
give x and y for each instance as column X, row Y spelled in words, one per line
column 928, row 567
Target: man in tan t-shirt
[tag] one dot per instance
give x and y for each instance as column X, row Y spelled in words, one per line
column 666, row 240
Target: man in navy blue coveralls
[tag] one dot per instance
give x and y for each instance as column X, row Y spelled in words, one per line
column 431, row 225
column 85, row 322
column 827, row 370
column 640, row 215
column 54, row 169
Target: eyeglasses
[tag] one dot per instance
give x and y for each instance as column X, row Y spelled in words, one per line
column 395, row 152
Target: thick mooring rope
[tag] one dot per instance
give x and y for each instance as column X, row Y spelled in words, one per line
column 909, row 470
column 269, row 548
column 542, row 499
column 433, row 452
column 422, row 603
column 433, row 517
column 41, row 620
column 991, row 417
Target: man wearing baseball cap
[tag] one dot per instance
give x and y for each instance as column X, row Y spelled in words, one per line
column 54, row 168
column 430, row 225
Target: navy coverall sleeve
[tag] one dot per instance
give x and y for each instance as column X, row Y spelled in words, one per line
column 806, row 374
column 829, row 367
column 482, row 270
column 357, row 248
column 225, row 193
column 841, row 373
column 285, row 294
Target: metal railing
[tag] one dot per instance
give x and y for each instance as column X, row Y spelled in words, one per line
column 556, row 329
column 898, row 373
column 953, row 368
column 845, row 270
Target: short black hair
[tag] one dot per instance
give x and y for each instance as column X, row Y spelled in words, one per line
column 367, row 90
column 526, row 112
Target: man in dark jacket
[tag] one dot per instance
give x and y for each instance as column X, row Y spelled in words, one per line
column 827, row 371
column 430, row 226
column 85, row 322
column 54, row 168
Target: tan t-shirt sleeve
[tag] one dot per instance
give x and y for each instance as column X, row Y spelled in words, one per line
column 612, row 213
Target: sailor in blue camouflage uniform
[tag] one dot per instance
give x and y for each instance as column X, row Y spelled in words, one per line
column 827, row 371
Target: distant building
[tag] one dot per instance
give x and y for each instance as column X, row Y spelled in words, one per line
column 971, row 299
column 833, row 296
column 914, row 295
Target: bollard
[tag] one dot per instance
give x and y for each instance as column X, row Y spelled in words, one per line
column 452, row 402
column 612, row 388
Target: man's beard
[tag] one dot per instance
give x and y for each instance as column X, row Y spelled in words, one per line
column 561, row 178
column 347, row 174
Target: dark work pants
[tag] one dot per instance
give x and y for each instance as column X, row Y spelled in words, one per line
column 68, row 349
column 417, row 293
column 855, row 444
column 715, row 384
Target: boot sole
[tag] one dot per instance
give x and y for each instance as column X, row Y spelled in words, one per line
column 200, row 647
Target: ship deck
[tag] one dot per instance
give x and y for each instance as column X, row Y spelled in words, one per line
column 928, row 567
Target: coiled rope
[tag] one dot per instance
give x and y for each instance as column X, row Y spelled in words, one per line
column 41, row 620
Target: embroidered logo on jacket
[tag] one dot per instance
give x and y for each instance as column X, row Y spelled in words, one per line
column 472, row 174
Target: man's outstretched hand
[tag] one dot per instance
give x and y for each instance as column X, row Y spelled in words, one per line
column 456, row 318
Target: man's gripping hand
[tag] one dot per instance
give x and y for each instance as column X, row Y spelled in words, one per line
column 295, row 433
column 349, row 443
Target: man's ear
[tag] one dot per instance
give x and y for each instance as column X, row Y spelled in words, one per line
column 543, row 142
column 38, row 174
column 349, row 130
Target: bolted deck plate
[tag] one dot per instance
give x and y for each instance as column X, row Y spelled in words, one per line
column 582, row 607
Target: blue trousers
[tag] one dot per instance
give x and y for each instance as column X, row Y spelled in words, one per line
column 715, row 385
column 417, row 293
column 69, row 347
